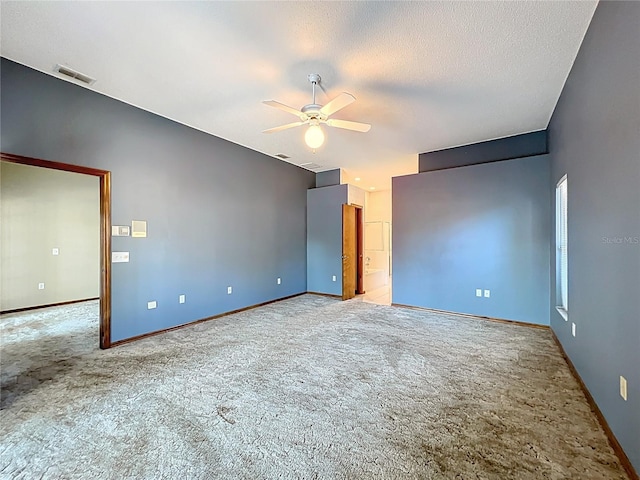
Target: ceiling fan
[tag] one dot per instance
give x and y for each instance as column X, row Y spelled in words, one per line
column 314, row 114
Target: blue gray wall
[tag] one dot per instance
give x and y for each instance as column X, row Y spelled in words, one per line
column 594, row 138
column 218, row 214
column 328, row 178
column 481, row 226
column 516, row 146
column 324, row 238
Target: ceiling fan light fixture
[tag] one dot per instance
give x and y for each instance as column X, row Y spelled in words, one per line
column 314, row 136
column 314, row 114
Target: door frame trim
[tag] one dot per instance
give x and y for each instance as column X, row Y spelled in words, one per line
column 105, row 231
column 359, row 249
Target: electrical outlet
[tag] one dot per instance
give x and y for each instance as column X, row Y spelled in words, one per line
column 182, row 299
column 152, row 305
column 573, row 329
column 487, row 293
column 623, row 388
column 41, row 286
column 279, row 281
column 55, row 251
column 333, row 279
column 478, row 292
column 229, row 290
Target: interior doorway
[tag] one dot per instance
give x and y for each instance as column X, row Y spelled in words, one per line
column 378, row 247
column 105, row 231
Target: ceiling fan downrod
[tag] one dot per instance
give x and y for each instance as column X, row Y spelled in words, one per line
column 314, row 78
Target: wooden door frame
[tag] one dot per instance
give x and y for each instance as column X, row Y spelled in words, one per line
column 105, row 231
column 359, row 250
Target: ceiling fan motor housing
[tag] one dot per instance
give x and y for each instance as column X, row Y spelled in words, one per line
column 313, row 111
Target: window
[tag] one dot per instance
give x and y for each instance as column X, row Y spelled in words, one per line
column 562, row 290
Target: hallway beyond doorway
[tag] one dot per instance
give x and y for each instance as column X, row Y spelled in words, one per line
column 381, row 295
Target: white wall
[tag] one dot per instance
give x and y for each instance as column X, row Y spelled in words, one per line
column 377, row 239
column 43, row 209
column 355, row 195
column 378, row 206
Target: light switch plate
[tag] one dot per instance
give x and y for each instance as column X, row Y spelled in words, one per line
column 333, row 278
column 573, row 329
column 487, row 293
column 55, row 251
column 229, row 290
column 279, row 281
column 152, row 305
column 119, row 257
column 478, row 292
column 120, row 230
column 41, row 286
column 182, row 299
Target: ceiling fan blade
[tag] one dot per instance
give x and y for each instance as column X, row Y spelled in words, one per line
column 283, row 127
column 346, row 124
column 337, row 103
column 286, row 108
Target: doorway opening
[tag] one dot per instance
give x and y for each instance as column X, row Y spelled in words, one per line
column 105, row 231
column 377, row 247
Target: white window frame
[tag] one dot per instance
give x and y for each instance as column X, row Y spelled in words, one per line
column 562, row 249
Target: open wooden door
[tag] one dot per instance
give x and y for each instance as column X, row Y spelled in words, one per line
column 349, row 252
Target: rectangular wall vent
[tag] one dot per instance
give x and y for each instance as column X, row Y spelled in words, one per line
column 70, row 72
column 282, row 156
column 311, row 166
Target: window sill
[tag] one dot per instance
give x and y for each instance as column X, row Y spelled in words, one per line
column 564, row 312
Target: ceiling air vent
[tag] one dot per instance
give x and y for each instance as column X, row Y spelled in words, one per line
column 311, row 166
column 282, row 156
column 70, row 72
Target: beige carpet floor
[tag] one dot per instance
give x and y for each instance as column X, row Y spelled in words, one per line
column 309, row 388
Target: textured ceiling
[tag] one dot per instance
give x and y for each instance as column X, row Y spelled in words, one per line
column 426, row 75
